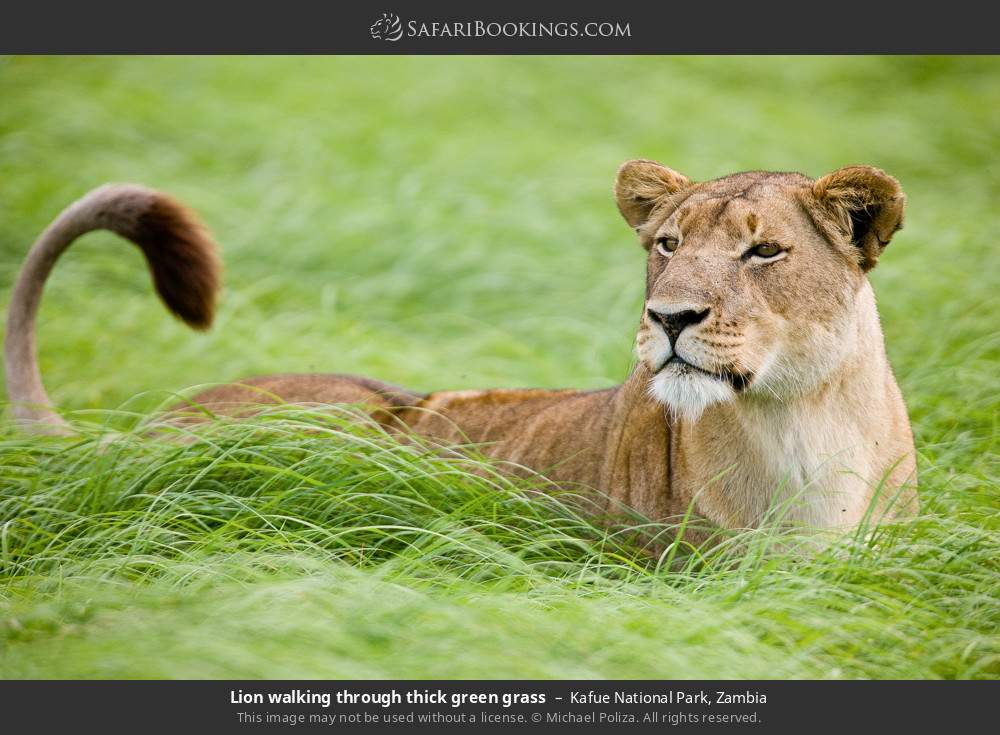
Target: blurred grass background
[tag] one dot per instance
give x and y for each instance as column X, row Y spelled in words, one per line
column 447, row 222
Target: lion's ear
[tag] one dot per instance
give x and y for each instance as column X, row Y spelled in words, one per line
column 641, row 185
column 866, row 205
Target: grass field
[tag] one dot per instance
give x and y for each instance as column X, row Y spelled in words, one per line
column 448, row 223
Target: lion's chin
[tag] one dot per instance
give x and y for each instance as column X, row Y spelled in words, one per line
column 687, row 392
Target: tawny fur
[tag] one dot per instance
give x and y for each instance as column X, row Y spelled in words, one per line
column 779, row 400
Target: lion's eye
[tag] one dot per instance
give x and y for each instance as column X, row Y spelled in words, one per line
column 667, row 245
column 765, row 250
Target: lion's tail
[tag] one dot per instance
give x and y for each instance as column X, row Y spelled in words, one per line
column 182, row 259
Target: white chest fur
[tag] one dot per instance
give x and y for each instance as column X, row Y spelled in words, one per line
column 801, row 465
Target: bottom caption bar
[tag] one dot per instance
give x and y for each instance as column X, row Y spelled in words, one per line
column 486, row 706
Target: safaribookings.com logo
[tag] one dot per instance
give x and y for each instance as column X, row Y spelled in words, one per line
column 390, row 28
column 387, row 28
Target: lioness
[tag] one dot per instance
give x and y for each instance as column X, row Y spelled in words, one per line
column 762, row 376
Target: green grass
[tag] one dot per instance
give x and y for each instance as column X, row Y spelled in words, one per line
column 447, row 223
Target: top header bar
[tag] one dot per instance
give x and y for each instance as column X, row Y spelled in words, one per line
column 512, row 27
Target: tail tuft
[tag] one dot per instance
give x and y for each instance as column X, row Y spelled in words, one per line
column 182, row 258
column 180, row 253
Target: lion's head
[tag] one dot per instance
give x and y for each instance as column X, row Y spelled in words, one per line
column 755, row 282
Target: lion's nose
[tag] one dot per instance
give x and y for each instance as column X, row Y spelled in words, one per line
column 674, row 322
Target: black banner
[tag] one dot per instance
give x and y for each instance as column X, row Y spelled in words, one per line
column 493, row 706
column 513, row 27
